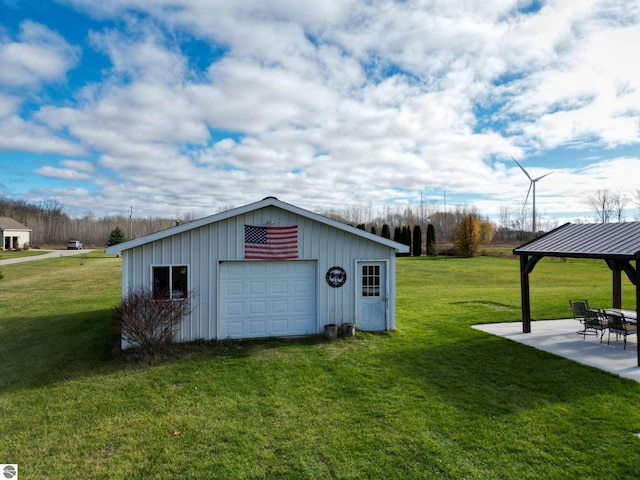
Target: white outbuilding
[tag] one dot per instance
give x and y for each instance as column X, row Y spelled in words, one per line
column 267, row 269
column 14, row 235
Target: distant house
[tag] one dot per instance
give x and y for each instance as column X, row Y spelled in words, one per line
column 14, row 234
column 267, row 269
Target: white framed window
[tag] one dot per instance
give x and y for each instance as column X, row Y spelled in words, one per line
column 170, row 281
column 371, row 280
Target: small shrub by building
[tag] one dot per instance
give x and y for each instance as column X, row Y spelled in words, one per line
column 148, row 320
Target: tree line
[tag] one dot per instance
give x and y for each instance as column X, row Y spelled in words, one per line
column 51, row 226
column 426, row 230
column 611, row 206
column 463, row 232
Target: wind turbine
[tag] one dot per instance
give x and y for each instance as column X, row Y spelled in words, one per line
column 532, row 184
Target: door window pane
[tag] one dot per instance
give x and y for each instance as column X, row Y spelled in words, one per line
column 371, row 280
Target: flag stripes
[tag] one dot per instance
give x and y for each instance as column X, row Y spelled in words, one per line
column 270, row 243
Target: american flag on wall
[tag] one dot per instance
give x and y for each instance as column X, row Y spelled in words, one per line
column 270, row 243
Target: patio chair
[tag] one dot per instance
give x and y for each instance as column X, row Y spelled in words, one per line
column 618, row 325
column 579, row 308
column 595, row 320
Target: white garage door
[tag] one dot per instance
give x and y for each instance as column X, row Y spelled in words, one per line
column 266, row 299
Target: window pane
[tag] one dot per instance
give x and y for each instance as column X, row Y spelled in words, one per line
column 161, row 282
column 370, row 280
column 179, row 282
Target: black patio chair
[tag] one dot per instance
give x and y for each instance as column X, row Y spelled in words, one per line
column 596, row 321
column 618, row 325
column 579, row 307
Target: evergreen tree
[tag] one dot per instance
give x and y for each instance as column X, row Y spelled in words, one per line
column 386, row 231
column 397, row 235
column 373, row 230
column 406, row 237
column 117, row 236
column 417, row 241
column 431, row 240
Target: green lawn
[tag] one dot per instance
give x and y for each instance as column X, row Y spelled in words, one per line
column 8, row 254
column 435, row 399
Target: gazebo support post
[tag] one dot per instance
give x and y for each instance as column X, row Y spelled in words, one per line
column 616, row 286
column 524, row 295
column 637, row 285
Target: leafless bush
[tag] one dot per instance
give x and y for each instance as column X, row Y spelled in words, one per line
column 148, row 321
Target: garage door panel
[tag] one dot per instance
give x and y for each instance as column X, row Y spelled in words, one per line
column 233, row 270
column 258, row 328
column 298, row 325
column 256, row 268
column 279, row 306
column 234, row 309
column 273, row 298
column 279, row 287
column 235, row 328
column 281, row 268
column 234, row 288
column 280, row 326
column 301, row 306
column 302, row 286
column 257, row 308
column 257, row 288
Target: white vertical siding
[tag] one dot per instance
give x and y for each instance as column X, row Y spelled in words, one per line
column 203, row 248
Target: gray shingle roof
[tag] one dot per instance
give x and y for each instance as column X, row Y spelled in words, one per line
column 7, row 223
column 587, row 240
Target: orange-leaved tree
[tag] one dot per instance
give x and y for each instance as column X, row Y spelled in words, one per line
column 466, row 236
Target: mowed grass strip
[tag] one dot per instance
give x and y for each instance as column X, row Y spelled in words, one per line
column 435, row 399
column 11, row 254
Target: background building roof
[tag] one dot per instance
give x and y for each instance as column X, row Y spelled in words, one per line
column 7, row 223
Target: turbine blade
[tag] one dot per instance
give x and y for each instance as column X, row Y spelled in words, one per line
column 522, row 168
column 528, row 192
column 535, row 180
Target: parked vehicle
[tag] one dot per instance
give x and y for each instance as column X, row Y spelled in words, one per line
column 74, row 245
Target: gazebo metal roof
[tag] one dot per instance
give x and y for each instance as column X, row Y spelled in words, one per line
column 587, row 240
column 618, row 244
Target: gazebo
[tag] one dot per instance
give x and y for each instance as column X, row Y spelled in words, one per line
column 618, row 244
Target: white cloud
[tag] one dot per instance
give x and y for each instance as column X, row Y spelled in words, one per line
column 8, row 105
column 39, row 55
column 62, row 173
column 19, row 135
column 79, row 165
column 140, row 55
column 72, row 170
column 330, row 103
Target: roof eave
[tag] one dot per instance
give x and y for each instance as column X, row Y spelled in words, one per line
column 593, row 256
column 267, row 202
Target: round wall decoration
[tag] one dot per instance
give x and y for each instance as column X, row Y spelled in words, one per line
column 336, row 277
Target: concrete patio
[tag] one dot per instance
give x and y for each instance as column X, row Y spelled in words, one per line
column 560, row 338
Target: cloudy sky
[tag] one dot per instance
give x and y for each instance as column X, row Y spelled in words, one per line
column 188, row 106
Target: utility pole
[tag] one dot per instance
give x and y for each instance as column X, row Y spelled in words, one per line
column 131, row 222
column 446, row 248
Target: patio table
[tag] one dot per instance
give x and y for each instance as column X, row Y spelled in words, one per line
column 629, row 315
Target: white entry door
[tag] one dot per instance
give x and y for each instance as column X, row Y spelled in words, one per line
column 372, row 296
column 266, row 299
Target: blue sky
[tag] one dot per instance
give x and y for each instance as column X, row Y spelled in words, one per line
column 177, row 107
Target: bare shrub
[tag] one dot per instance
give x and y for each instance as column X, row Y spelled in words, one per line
column 148, row 321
